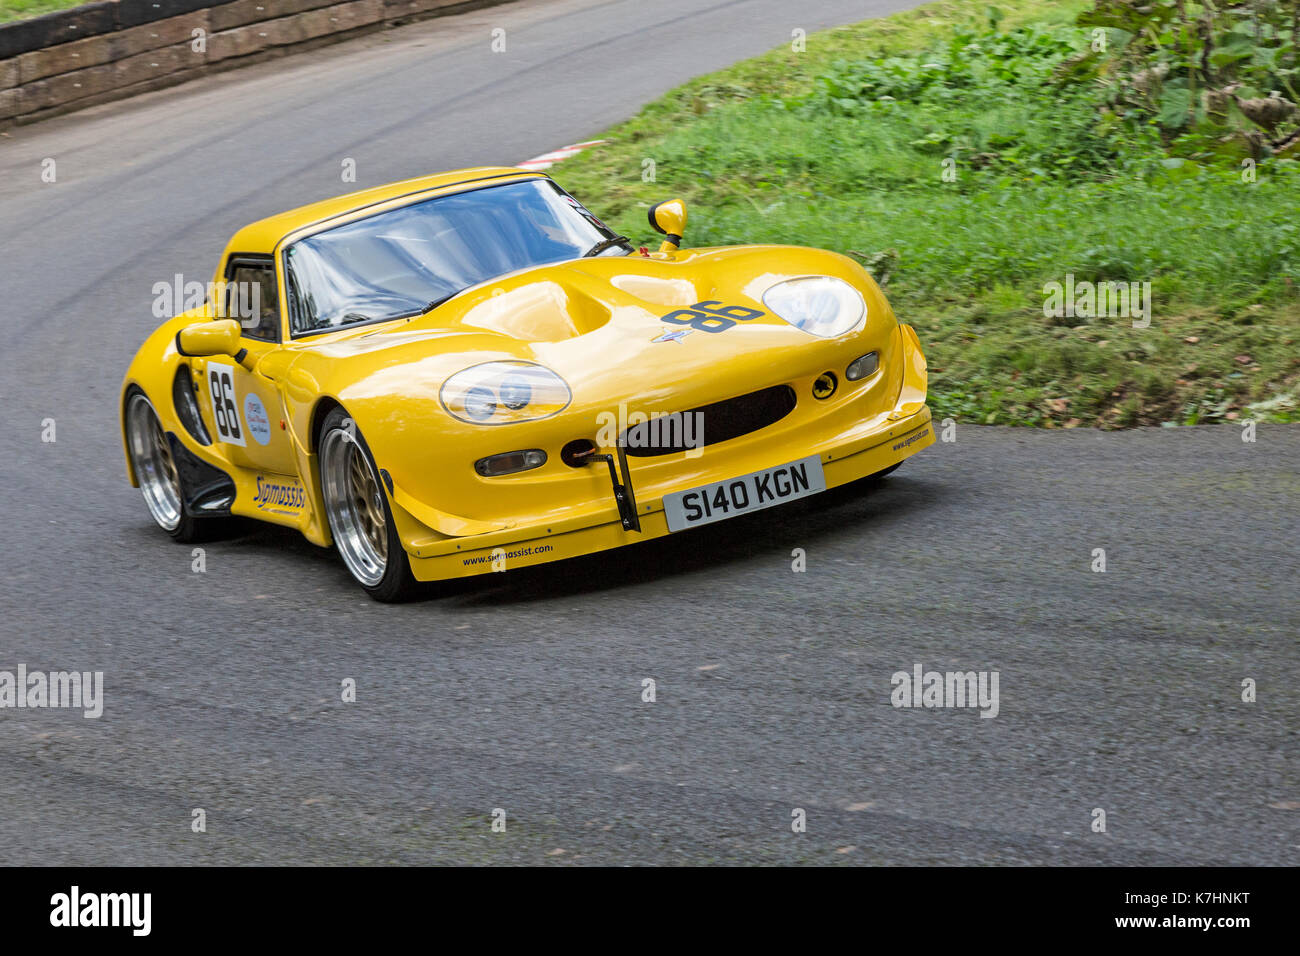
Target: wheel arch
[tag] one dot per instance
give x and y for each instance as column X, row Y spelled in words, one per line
column 320, row 411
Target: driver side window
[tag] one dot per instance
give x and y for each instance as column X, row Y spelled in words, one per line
column 252, row 298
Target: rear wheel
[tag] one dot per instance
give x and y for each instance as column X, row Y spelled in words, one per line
column 156, row 473
column 361, row 521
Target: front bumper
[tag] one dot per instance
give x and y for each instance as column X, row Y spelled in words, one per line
column 571, row 538
column 849, row 450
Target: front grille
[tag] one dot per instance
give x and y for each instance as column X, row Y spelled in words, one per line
column 709, row 424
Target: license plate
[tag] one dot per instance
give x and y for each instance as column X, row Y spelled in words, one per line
column 752, row 492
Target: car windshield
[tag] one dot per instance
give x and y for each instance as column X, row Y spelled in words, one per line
column 402, row 262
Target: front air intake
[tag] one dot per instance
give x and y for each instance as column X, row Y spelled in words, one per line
column 709, row 424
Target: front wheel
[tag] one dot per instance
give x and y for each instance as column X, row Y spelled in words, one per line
column 156, row 473
column 361, row 521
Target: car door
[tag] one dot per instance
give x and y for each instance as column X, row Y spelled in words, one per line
column 245, row 403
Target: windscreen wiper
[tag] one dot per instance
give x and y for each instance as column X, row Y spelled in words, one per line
column 604, row 244
column 439, row 301
column 423, row 309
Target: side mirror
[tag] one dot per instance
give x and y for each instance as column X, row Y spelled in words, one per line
column 669, row 217
column 219, row 337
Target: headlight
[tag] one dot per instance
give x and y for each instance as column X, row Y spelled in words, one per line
column 820, row 305
column 501, row 393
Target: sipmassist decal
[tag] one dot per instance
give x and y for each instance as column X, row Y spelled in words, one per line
column 711, row 315
column 585, row 213
column 282, row 495
column 915, row 438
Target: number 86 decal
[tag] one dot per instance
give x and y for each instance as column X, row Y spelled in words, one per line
column 711, row 316
column 225, row 411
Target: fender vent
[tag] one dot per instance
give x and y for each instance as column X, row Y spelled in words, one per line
column 709, row 424
column 187, row 405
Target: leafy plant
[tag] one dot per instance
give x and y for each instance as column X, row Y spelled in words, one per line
column 1230, row 67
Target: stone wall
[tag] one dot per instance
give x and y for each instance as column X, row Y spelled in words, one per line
column 102, row 51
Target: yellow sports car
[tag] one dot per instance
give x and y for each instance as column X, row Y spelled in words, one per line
column 470, row 372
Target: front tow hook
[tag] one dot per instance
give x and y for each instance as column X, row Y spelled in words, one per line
column 624, row 496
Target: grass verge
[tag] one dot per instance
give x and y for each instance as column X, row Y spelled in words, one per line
column 11, row 10
column 952, row 149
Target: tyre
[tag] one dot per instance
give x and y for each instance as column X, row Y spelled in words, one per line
column 884, row 472
column 361, row 521
column 157, row 475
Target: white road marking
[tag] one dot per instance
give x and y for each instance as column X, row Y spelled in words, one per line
column 547, row 160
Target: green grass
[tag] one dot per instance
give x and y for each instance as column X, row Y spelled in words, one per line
column 25, row 9
column 843, row 147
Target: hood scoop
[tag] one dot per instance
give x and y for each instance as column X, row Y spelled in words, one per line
column 538, row 312
column 673, row 293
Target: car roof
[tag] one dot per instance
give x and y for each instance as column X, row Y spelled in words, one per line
column 263, row 236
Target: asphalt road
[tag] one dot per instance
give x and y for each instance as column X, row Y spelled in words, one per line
column 1118, row 690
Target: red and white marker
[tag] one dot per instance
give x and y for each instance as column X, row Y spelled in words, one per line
column 564, row 152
